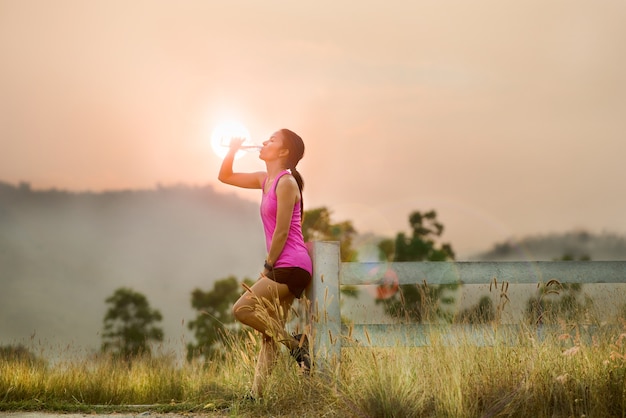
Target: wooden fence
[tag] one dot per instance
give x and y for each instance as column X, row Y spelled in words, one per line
column 328, row 334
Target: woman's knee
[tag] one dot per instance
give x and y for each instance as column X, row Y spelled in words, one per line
column 238, row 312
column 243, row 309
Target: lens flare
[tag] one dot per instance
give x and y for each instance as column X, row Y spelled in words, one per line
column 386, row 282
column 224, row 132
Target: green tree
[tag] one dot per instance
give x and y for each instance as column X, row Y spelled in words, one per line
column 556, row 302
column 422, row 244
column 317, row 226
column 419, row 302
column 214, row 316
column 129, row 325
column 481, row 313
column 19, row 354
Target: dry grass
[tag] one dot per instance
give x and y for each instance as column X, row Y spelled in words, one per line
column 560, row 376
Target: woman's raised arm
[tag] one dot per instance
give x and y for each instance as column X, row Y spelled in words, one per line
column 245, row 180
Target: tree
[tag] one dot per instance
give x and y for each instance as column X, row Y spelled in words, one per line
column 556, row 302
column 421, row 301
column 421, row 245
column 214, row 315
column 481, row 313
column 20, row 354
column 317, row 226
column 129, row 325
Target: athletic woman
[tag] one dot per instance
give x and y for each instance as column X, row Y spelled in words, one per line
column 287, row 268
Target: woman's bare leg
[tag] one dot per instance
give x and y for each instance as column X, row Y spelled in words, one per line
column 264, row 366
column 264, row 307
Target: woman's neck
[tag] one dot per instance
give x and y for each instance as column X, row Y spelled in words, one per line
column 274, row 168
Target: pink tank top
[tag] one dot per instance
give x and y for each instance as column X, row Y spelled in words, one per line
column 295, row 253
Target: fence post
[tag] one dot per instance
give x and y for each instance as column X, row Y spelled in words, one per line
column 324, row 312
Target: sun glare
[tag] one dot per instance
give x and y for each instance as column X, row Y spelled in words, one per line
column 224, row 132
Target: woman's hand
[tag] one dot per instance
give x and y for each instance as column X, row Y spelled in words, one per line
column 267, row 270
column 245, row 180
column 236, row 143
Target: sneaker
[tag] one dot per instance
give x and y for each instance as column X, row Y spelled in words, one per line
column 301, row 354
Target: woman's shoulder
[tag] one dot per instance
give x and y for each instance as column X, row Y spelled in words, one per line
column 286, row 180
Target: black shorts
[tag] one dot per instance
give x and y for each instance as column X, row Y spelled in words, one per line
column 296, row 279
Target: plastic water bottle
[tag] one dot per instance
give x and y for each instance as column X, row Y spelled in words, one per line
column 246, row 146
column 251, row 148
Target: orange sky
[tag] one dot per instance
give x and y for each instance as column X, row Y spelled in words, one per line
column 508, row 118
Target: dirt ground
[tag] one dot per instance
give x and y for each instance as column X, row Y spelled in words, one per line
column 74, row 415
column 112, row 415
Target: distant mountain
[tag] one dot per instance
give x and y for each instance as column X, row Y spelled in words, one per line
column 62, row 254
column 577, row 245
column 574, row 244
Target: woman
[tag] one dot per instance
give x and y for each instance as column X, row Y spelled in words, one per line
column 287, row 269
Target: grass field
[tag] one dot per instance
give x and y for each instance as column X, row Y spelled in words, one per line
column 561, row 376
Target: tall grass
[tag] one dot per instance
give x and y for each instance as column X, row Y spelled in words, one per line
column 554, row 378
column 559, row 376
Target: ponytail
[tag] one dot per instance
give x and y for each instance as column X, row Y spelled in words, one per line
column 300, row 182
column 294, row 143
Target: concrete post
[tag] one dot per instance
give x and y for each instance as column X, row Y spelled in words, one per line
column 325, row 314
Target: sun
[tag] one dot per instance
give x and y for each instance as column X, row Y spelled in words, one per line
column 222, row 134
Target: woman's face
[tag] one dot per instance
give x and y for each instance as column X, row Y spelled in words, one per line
column 273, row 148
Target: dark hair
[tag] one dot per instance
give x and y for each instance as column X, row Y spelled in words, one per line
column 295, row 145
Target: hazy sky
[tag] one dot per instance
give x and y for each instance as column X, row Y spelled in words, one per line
column 507, row 117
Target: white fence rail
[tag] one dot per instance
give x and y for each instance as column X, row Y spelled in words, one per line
column 330, row 273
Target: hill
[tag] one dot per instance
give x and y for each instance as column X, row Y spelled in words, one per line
column 574, row 244
column 62, row 254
